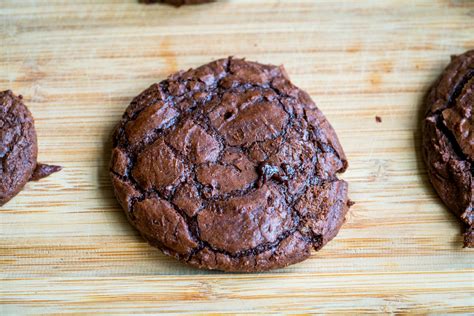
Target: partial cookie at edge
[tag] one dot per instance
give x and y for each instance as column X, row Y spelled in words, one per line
column 448, row 141
column 18, row 147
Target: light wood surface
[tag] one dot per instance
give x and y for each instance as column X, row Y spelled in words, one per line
column 65, row 245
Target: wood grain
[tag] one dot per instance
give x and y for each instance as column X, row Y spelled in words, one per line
column 65, row 246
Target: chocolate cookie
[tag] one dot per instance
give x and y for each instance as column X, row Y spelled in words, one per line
column 18, row 147
column 177, row 2
column 231, row 167
column 448, row 141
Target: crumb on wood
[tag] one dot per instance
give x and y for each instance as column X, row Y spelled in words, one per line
column 378, row 119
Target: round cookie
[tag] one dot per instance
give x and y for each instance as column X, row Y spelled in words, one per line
column 448, row 139
column 231, row 167
column 18, row 147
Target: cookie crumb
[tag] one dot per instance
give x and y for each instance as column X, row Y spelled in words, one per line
column 378, row 119
column 44, row 170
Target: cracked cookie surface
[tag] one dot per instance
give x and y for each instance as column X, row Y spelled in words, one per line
column 448, row 139
column 18, row 147
column 230, row 167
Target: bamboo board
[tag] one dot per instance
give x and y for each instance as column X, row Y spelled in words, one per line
column 65, row 245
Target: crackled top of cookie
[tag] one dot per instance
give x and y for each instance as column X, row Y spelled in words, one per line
column 18, row 148
column 448, row 136
column 230, row 166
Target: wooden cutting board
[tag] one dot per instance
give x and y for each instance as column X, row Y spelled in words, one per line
column 65, row 244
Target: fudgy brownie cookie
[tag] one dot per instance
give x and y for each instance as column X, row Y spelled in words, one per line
column 18, row 147
column 231, row 167
column 177, row 2
column 448, row 141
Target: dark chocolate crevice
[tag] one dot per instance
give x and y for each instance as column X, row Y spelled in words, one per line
column 459, row 88
column 451, row 139
column 440, row 121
